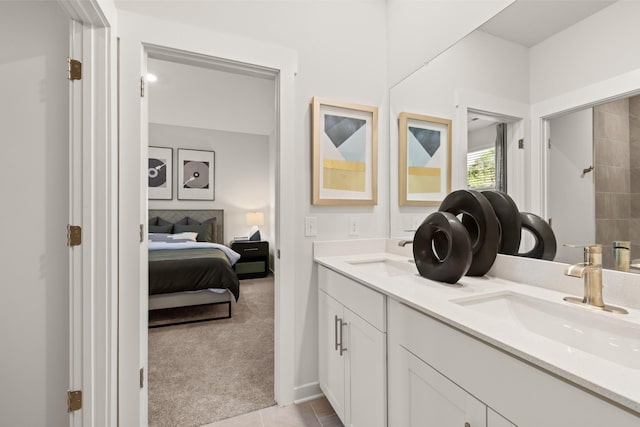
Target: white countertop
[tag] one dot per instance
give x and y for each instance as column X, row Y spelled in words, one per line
column 613, row 381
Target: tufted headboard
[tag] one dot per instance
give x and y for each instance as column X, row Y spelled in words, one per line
column 200, row 215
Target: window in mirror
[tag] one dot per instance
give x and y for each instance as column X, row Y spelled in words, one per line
column 486, row 156
column 481, row 169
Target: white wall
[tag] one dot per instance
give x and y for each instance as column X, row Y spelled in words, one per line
column 34, row 308
column 420, row 30
column 193, row 96
column 480, row 64
column 601, row 46
column 241, row 176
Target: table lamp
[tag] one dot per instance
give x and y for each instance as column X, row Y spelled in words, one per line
column 254, row 219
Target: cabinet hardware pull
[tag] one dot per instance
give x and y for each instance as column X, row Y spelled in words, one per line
column 251, row 249
column 335, row 330
column 342, row 348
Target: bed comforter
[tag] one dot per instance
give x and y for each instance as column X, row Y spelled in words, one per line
column 177, row 267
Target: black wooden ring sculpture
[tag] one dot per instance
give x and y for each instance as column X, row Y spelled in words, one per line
column 545, row 247
column 508, row 221
column 480, row 221
column 441, row 248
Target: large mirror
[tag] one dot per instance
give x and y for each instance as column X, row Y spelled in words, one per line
column 538, row 68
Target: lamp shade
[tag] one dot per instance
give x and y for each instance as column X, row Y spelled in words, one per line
column 255, row 218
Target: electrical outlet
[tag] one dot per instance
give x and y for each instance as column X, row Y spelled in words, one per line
column 310, row 226
column 354, row 226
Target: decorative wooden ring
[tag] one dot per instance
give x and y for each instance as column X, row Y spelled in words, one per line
column 442, row 248
column 509, row 221
column 545, row 247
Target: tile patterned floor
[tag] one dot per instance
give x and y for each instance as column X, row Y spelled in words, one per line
column 315, row 413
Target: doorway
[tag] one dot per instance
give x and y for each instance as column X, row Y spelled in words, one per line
column 204, row 372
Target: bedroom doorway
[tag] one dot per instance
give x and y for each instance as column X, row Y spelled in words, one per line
column 225, row 112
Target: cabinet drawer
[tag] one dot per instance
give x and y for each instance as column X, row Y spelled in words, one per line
column 367, row 303
column 249, row 250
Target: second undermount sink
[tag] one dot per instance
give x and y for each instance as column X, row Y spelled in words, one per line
column 386, row 267
column 609, row 338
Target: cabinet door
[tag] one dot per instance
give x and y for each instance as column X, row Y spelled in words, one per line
column 331, row 363
column 423, row 397
column 365, row 372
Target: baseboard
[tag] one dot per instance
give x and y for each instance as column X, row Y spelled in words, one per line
column 306, row 392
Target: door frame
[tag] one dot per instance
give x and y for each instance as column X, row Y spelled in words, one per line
column 92, row 205
column 135, row 39
column 517, row 114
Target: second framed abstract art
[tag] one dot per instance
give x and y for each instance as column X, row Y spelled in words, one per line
column 345, row 153
column 424, row 160
column 160, row 177
column 196, row 174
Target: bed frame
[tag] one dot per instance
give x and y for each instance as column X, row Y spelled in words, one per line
column 203, row 297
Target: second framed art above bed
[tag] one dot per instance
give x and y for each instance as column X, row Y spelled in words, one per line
column 188, row 263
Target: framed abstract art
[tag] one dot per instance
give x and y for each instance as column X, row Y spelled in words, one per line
column 345, row 153
column 424, row 160
column 160, row 182
column 196, row 174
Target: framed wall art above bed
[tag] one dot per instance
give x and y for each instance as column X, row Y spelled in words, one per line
column 196, row 174
column 160, row 173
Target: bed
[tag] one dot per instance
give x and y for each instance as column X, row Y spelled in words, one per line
column 183, row 272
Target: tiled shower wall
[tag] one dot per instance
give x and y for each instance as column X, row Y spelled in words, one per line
column 612, row 169
column 616, row 142
column 634, row 134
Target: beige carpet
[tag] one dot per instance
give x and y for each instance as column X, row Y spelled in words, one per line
column 204, row 372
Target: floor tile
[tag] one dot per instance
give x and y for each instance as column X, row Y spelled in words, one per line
column 301, row 415
column 251, row 419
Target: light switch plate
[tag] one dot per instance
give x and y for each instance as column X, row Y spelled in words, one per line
column 310, row 226
column 354, row 226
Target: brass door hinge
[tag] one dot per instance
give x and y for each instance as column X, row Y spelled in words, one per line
column 141, row 233
column 74, row 69
column 141, row 87
column 74, row 400
column 74, row 235
column 521, row 144
column 141, row 377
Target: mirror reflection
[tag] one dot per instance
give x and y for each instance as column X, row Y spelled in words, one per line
column 593, row 153
column 540, row 67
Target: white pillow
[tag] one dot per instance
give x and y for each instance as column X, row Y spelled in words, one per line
column 187, row 235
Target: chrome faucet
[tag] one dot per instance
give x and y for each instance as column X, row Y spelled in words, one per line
column 404, row 243
column 621, row 255
column 591, row 270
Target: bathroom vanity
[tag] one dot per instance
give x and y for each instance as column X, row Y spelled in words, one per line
column 488, row 351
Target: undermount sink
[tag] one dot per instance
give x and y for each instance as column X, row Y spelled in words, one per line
column 612, row 339
column 386, row 267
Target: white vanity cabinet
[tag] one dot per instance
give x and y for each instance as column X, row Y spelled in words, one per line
column 440, row 376
column 352, row 344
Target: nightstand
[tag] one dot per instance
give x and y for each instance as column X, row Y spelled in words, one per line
column 254, row 259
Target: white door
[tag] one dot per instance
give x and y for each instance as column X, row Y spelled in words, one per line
column 366, row 372
column 422, row 397
column 571, row 193
column 34, row 177
column 332, row 364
